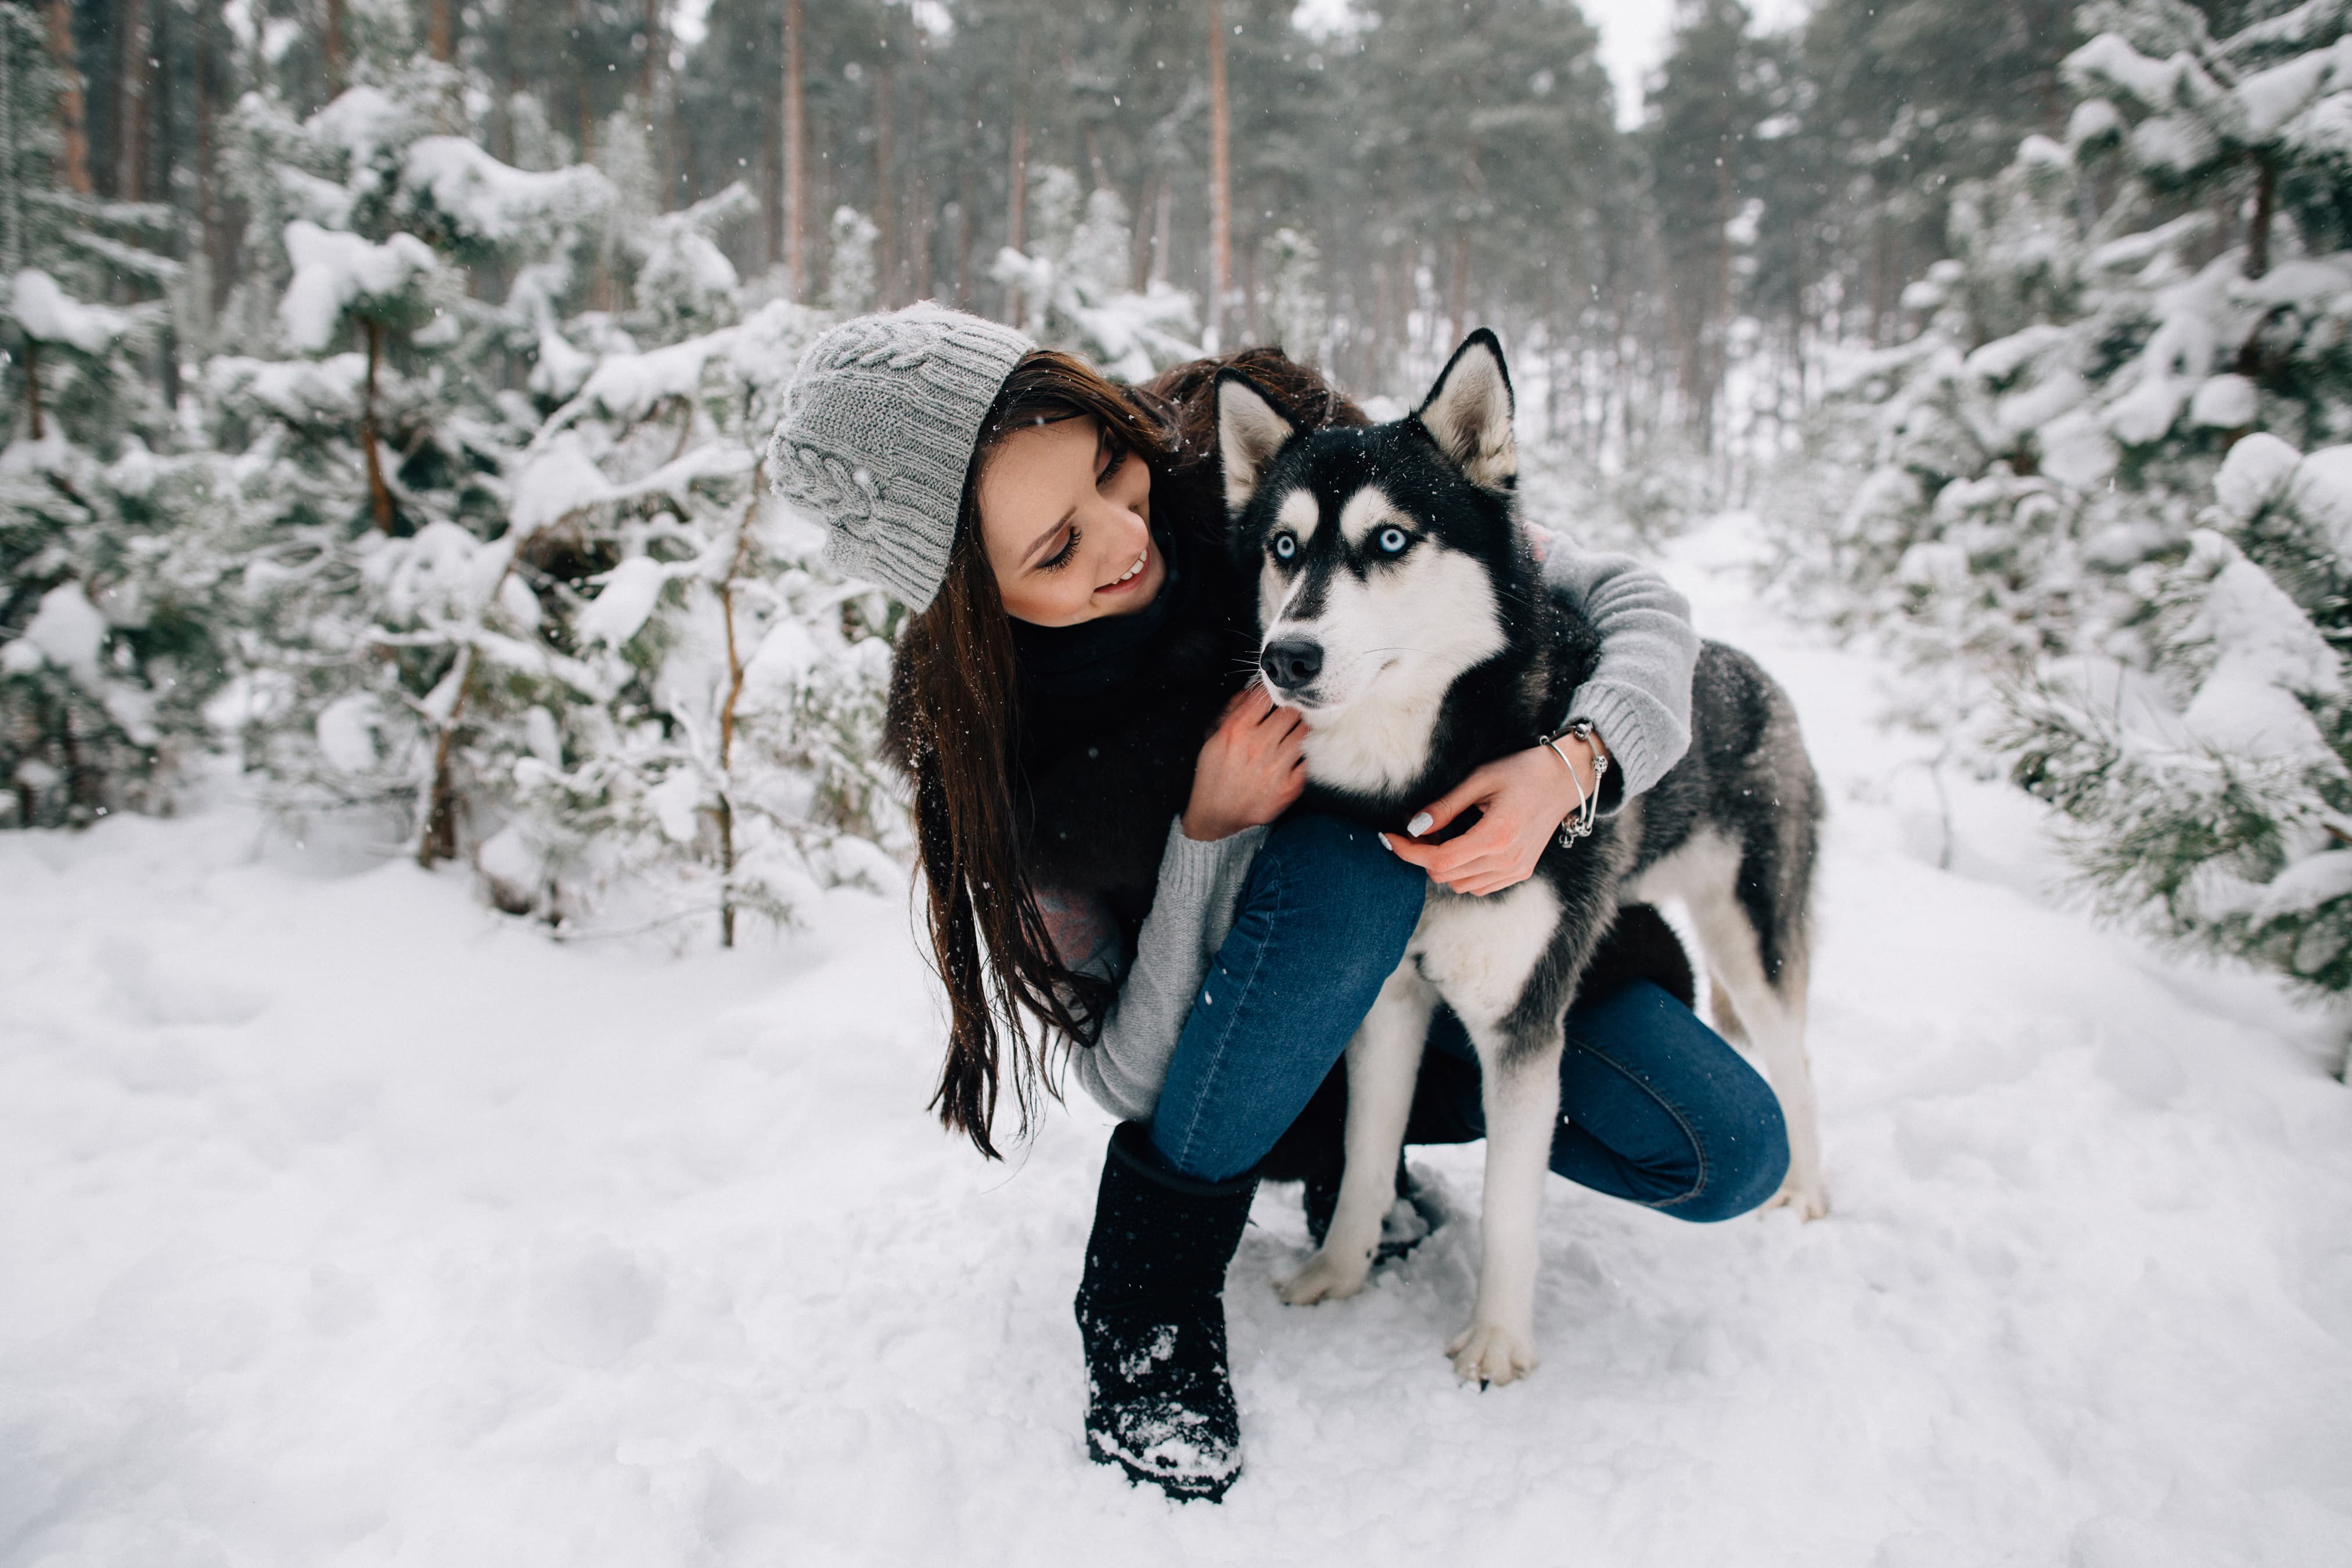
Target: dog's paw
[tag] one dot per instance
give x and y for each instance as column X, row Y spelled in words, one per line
column 1810, row 1199
column 1487, row 1354
column 1328, row 1277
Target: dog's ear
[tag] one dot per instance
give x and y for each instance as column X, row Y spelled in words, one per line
column 1250, row 431
column 1468, row 414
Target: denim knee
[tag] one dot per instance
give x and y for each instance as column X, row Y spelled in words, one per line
column 1741, row 1141
column 1374, row 897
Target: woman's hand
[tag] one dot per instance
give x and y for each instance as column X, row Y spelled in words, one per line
column 1523, row 798
column 1250, row 771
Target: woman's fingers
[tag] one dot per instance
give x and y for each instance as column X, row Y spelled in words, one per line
column 1476, row 789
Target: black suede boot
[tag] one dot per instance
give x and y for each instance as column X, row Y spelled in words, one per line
column 1151, row 1312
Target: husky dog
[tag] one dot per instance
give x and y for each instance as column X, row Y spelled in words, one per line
column 1402, row 610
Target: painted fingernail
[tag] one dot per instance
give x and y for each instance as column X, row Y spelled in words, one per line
column 1384, row 842
column 1420, row 824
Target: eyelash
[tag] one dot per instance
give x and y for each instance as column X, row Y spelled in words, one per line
column 1061, row 558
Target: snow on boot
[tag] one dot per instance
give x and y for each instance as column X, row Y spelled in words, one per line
column 1151, row 1312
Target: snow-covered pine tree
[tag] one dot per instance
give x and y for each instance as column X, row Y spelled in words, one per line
column 2132, row 319
column 2206, row 782
column 1073, row 283
column 713, row 752
column 106, row 653
column 379, row 601
column 2096, row 344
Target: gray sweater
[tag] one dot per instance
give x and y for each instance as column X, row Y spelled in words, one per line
column 1638, row 699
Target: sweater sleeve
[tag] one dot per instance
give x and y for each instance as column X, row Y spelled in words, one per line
column 1192, row 913
column 1639, row 696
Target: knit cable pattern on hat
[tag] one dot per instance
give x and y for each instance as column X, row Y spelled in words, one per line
column 877, row 435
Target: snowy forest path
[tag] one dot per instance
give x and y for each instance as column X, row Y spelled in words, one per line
column 346, row 1222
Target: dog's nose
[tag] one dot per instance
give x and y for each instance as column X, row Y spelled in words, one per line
column 1291, row 662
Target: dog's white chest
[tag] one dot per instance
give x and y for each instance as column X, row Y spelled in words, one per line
column 1479, row 953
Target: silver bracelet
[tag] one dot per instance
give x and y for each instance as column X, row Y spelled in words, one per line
column 1579, row 823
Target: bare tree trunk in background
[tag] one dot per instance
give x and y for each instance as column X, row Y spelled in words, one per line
column 73, row 125
column 917, row 265
column 584, row 118
column 379, row 493
column 1163, row 229
column 769, row 177
column 332, row 45
column 1251, row 329
column 439, row 33
column 1017, row 210
column 130, row 84
column 208, row 224
column 33, row 385
column 795, row 157
column 1097, row 173
column 1221, row 181
column 886, row 192
column 1458, row 294
column 1139, row 248
column 2258, row 234
column 660, row 126
column 965, row 197
column 736, row 666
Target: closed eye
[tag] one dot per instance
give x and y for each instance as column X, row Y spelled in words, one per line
column 1061, row 558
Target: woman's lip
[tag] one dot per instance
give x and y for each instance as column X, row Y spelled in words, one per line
column 1140, row 570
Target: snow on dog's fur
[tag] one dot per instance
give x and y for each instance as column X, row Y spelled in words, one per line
column 1402, row 610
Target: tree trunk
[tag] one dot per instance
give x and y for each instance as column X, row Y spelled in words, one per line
column 966, row 196
column 131, row 84
column 73, row 126
column 332, row 45
column 1221, row 181
column 1457, row 303
column 918, row 263
column 2258, row 235
column 795, row 157
column 33, row 385
column 1138, row 249
column 1163, row 229
column 439, row 34
column 735, row 669
column 886, row 196
column 1017, row 210
column 438, row 841
column 208, row 224
column 1016, row 213
column 583, row 117
column 658, row 122
column 379, row 493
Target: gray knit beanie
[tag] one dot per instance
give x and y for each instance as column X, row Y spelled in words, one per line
column 878, row 434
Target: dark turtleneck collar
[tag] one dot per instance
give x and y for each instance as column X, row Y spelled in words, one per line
column 1092, row 656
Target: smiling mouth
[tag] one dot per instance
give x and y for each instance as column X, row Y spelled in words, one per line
column 1127, row 577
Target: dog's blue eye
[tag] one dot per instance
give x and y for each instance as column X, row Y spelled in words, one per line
column 1391, row 541
column 1285, row 547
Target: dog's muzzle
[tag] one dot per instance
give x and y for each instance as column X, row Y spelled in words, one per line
column 1291, row 663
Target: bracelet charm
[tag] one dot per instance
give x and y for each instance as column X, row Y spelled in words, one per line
column 1579, row 823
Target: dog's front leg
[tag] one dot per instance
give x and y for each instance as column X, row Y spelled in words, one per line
column 1383, row 1060
column 1521, row 1090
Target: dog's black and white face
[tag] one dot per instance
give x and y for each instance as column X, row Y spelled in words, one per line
column 1386, row 559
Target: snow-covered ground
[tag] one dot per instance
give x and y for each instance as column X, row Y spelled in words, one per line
column 343, row 1221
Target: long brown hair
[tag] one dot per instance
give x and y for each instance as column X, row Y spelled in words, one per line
column 953, row 717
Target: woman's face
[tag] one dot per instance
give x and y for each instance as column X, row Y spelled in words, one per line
column 1064, row 515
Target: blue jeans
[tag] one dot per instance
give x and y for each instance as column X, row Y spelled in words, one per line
column 1654, row 1106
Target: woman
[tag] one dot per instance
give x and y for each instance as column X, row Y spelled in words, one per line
column 1094, row 868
